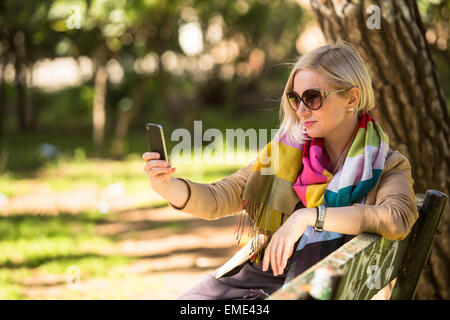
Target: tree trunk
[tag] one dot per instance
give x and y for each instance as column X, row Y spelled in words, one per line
column 21, row 96
column 17, row 43
column 4, row 149
column 98, row 112
column 3, row 103
column 32, row 109
column 410, row 102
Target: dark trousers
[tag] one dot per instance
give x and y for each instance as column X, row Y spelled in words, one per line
column 246, row 281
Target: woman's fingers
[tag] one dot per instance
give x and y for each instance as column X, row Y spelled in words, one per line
column 266, row 259
column 287, row 252
column 150, row 155
column 156, row 171
column 276, row 255
column 270, row 256
column 157, row 163
column 156, row 167
column 273, row 257
column 279, row 256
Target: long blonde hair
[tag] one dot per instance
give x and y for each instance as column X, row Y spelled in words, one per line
column 343, row 67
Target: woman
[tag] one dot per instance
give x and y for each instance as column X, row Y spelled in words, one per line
column 336, row 177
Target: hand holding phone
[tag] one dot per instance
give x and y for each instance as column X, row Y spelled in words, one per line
column 157, row 167
column 157, row 164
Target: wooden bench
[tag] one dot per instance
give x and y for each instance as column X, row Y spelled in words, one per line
column 367, row 263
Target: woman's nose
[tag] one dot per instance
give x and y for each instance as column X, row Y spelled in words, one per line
column 302, row 109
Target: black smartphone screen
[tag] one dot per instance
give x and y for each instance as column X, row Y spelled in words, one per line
column 156, row 141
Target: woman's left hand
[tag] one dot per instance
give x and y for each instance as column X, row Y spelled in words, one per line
column 281, row 245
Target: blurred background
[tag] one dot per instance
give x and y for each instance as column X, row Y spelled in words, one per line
column 78, row 82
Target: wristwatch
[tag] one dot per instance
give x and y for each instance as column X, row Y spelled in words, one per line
column 320, row 218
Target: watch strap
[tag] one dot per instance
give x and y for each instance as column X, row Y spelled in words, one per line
column 320, row 218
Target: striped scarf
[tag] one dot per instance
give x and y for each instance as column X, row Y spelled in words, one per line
column 285, row 172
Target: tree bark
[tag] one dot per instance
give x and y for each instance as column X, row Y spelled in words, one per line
column 410, row 103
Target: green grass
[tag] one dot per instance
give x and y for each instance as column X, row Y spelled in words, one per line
column 13, row 185
column 10, row 287
column 43, row 244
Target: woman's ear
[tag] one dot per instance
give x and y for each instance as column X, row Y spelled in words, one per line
column 353, row 98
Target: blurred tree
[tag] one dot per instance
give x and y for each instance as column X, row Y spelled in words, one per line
column 410, row 101
column 152, row 41
column 145, row 41
column 207, row 54
column 24, row 38
column 93, row 29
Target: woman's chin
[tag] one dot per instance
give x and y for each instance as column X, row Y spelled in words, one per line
column 313, row 133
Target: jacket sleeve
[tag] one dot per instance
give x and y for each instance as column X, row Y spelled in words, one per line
column 218, row 199
column 395, row 210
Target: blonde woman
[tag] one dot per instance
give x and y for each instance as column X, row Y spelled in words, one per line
column 337, row 177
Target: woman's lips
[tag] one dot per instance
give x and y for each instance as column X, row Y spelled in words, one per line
column 309, row 123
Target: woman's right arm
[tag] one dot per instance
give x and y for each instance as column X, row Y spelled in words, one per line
column 208, row 201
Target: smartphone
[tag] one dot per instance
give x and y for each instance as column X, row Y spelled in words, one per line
column 156, row 142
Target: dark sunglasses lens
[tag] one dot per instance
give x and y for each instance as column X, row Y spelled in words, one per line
column 312, row 99
column 293, row 100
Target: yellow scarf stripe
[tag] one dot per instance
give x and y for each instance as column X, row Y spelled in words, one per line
column 289, row 166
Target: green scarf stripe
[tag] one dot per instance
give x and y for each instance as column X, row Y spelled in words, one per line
column 352, row 193
column 365, row 137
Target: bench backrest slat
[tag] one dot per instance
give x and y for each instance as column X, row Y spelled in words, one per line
column 422, row 238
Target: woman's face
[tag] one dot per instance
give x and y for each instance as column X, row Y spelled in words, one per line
column 333, row 114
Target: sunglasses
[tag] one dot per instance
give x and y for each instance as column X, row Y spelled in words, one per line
column 312, row 98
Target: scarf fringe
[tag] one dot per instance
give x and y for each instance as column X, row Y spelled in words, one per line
column 252, row 216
